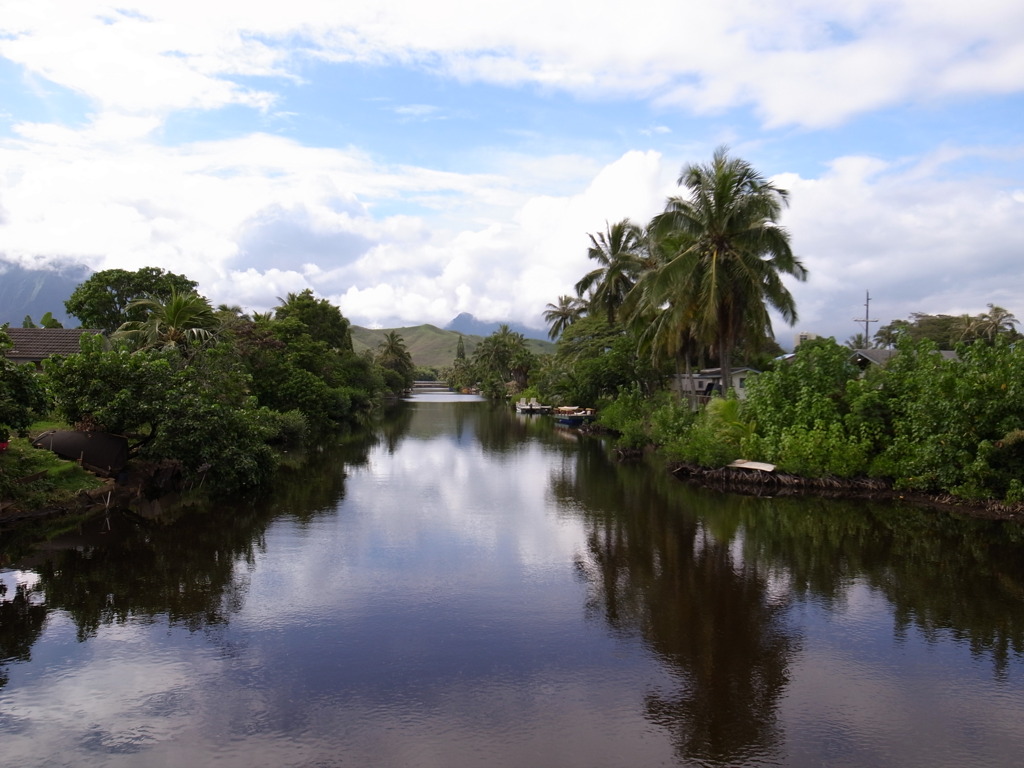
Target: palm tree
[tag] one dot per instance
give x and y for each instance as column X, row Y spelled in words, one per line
column 392, row 355
column 859, row 341
column 560, row 316
column 174, row 323
column 621, row 252
column 392, row 352
column 965, row 328
column 727, row 254
column 997, row 321
column 887, row 336
column 503, row 356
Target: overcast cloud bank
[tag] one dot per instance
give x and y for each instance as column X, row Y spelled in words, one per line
column 417, row 161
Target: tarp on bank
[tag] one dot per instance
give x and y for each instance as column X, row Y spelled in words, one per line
column 99, row 451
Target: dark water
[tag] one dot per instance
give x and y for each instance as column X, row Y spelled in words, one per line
column 468, row 587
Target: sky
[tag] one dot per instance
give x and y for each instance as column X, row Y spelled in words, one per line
column 410, row 161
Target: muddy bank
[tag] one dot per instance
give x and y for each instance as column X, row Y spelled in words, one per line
column 141, row 488
column 759, row 483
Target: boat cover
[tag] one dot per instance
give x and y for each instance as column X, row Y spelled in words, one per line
column 99, row 451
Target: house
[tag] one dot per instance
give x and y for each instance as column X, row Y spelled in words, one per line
column 865, row 358
column 706, row 382
column 33, row 345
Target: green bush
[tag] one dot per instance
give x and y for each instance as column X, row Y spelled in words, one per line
column 716, row 437
column 289, row 428
column 822, row 451
column 670, row 416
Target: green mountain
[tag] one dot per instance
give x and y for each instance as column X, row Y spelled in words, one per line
column 430, row 346
column 35, row 292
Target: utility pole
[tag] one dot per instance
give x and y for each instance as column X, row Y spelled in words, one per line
column 867, row 315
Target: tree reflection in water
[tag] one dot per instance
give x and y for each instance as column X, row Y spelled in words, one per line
column 707, row 614
column 706, row 580
column 22, row 620
column 182, row 567
column 714, row 586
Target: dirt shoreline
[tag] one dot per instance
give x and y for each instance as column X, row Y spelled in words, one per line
column 138, row 489
column 760, row 483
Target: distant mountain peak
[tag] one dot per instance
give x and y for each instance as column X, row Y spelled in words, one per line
column 467, row 324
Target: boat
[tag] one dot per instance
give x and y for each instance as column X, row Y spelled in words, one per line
column 99, row 452
column 759, row 466
column 573, row 416
column 531, row 406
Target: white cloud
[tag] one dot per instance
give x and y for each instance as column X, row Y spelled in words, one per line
column 252, row 216
column 918, row 241
column 797, row 63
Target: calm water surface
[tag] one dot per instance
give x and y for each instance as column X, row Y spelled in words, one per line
column 468, row 587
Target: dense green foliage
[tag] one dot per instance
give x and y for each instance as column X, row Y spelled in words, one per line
column 110, row 389
column 22, row 397
column 947, row 331
column 292, row 370
column 174, row 322
column 323, row 321
column 956, row 425
column 692, row 287
column 103, row 302
column 396, row 363
column 208, row 391
column 198, row 414
column 593, row 361
column 499, row 366
column 925, row 422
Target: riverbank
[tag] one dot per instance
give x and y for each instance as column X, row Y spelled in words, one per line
column 139, row 487
column 761, row 483
column 133, row 489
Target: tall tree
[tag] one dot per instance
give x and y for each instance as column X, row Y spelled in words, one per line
column 103, row 302
column 996, row 322
column 728, row 253
column 563, row 314
column 502, row 357
column 323, row 320
column 394, row 358
column 621, row 253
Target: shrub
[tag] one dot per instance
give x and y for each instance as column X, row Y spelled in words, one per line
column 716, row 437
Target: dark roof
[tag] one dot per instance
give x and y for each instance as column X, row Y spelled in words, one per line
column 865, row 357
column 34, row 344
column 705, row 372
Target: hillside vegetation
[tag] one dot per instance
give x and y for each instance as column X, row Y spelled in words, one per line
column 430, row 346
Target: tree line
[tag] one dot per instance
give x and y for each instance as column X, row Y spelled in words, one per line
column 209, row 390
column 694, row 287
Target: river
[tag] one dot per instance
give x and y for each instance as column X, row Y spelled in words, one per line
column 465, row 586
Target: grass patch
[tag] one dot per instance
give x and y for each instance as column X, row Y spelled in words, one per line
column 33, row 478
column 38, row 427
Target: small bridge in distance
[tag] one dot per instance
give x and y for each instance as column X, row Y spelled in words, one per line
column 423, row 387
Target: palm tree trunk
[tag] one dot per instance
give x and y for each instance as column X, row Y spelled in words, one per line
column 725, row 360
